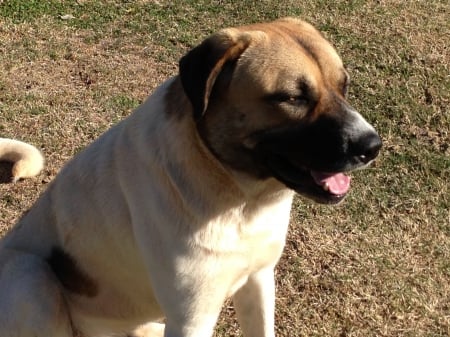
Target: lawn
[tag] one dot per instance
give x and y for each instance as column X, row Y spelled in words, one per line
column 376, row 265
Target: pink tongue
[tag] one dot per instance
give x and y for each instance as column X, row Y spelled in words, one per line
column 338, row 183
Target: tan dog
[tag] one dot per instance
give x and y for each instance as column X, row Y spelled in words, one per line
column 186, row 202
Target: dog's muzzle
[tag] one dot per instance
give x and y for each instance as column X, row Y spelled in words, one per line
column 313, row 158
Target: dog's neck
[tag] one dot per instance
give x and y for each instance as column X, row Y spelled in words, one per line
column 198, row 194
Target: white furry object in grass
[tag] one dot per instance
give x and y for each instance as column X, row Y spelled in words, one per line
column 28, row 160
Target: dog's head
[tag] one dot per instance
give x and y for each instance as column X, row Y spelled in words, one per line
column 270, row 100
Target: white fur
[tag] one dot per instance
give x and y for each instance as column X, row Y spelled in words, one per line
column 28, row 160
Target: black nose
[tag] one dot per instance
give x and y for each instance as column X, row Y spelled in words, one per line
column 367, row 147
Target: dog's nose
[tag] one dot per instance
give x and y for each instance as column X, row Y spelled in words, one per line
column 367, row 147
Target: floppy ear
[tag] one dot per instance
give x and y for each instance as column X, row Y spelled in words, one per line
column 200, row 67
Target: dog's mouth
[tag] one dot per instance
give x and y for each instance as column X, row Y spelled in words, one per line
column 322, row 187
column 337, row 184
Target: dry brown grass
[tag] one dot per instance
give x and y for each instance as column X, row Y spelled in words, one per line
column 378, row 265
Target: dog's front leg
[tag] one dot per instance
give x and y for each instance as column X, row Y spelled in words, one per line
column 194, row 319
column 191, row 297
column 254, row 304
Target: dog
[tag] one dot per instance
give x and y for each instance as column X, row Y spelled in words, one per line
column 28, row 160
column 186, row 202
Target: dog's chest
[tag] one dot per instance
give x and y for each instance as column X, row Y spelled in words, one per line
column 255, row 237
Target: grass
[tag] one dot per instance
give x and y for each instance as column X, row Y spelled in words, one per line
column 378, row 265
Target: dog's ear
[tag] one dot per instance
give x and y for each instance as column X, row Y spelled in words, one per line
column 200, row 67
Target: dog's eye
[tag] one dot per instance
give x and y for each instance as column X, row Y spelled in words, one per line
column 295, row 100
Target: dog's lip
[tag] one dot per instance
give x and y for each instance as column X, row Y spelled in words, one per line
column 327, row 190
column 323, row 187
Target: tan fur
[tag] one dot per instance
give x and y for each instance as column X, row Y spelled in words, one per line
column 162, row 218
column 28, row 160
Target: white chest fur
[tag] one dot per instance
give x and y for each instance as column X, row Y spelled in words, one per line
column 240, row 242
